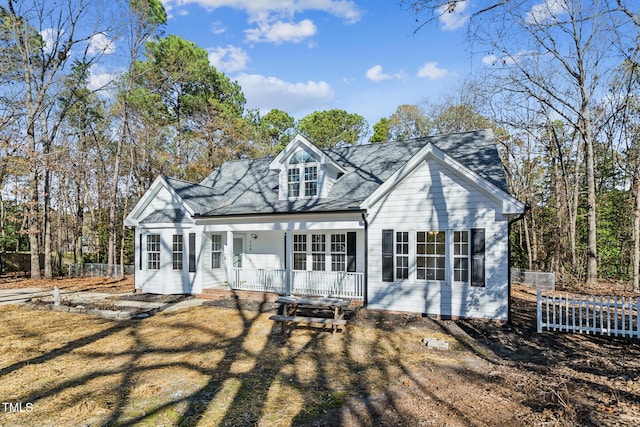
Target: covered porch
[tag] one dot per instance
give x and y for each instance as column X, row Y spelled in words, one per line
column 314, row 256
column 336, row 284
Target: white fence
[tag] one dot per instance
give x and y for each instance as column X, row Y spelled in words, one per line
column 310, row 283
column 604, row 315
column 537, row 279
column 99, row 270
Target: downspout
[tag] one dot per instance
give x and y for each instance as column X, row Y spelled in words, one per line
column 365, row 282
column 509, row 223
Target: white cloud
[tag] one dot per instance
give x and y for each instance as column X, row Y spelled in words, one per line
column 546, row 10
column 218, row 28
column 375, row 74
column 454, row 17
column 280, row 32
column 489, row 59
column 431, row 70
column 345, row 9
column 100, row 44
column 266, row 93
column 228, row 59
column 50, row 39
column 493, row 59
column 100, row 79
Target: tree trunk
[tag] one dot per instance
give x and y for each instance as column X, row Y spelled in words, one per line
column 32, row 228
column 111, row 249
column 592, row 252
column 79, row 222
column 528, row 243
column 48, row 272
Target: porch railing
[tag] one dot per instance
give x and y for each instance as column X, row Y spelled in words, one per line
column 259, row 279
column 323, row 283
column 310, row 283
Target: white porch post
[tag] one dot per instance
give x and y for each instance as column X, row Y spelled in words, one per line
column 228, row 256
column 288, row 260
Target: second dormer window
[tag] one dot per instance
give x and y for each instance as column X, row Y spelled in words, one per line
column 302, row 175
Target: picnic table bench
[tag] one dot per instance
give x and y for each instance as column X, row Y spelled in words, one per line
column 325, row 311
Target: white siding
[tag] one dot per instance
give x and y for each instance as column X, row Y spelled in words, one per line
column 166, row 280
column 163, row 200
column 212, row 276
column 434, row 198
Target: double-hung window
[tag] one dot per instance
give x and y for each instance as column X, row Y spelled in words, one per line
column 318, row 247
column 310, row 181
column 178, row 251
column 302, row 175
column 430, row 255
column 216, row 251
column 299, row 251
column 402, row 255
column 293, row 182
column 461, row 256
column 338, row 252
column 153, row 252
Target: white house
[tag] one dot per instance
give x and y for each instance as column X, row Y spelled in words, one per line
column 418, row 225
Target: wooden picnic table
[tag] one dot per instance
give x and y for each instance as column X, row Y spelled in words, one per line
column 291, row 305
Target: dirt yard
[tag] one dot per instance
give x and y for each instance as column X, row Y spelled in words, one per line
column 225, row 363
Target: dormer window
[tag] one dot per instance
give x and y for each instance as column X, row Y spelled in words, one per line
column 310, row 181
column 302, row 172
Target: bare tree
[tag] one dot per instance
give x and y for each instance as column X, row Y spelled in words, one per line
column 558, row 53
column 143, row 19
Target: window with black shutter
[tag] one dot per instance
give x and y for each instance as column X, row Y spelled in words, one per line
column 477, row 257
column 351, row 251
column 192, row 252
column 387, row 255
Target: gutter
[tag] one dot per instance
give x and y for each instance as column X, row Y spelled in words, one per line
column 263, row 214
column 509, row 223
column 365, row 284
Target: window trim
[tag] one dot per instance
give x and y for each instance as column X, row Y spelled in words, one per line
column 318, row 252
column 177, row 252
column 404, row 255
column 460, row 256
column 293, row 185
column 216, row 251
column 153, row 251
column 303, row 176
column 431, row 256
column 299, row 248
column 338, row 251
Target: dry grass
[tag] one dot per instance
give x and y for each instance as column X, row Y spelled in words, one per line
column 90, row 284
column 206, row 366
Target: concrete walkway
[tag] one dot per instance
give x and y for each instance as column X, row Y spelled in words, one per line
column 20, row 296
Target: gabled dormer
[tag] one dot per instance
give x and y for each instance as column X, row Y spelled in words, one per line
column 305, row 171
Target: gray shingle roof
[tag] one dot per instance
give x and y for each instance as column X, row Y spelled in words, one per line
column 169, row 216
column 250, row 187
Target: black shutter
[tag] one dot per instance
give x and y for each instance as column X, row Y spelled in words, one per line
column 477, row 257
column 286, row 256
column 192, row 252
column 140, row 253
column 351, row 251
column 387, row 255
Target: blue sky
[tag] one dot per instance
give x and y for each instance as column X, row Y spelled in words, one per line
column 302, row 56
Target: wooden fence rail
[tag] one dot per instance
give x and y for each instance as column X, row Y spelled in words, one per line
column 588, row 314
